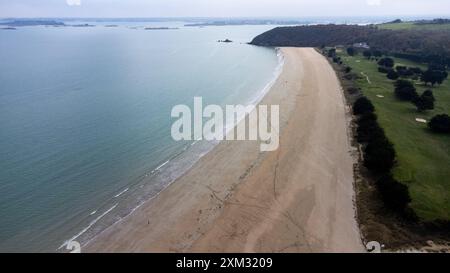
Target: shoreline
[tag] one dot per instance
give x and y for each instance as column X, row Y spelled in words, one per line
column 178, row 159
column 233, row 200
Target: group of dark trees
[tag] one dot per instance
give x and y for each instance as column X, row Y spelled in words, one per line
column 413, row 44
column 408, row 72
column 434, row 76
column 379, row 156
column 386, row 65
column 406, row 91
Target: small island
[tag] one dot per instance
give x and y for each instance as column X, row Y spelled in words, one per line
column 160, row 28
column 83, row 25
column 225, row 41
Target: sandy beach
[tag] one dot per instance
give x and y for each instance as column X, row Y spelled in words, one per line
column 238, row 199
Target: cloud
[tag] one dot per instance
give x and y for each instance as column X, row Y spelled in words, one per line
column 374, row 2
column 73, row 2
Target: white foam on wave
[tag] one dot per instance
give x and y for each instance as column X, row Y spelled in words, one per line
column 160, row 166
column 88, row 227
column 122, row 192
column 255, row 100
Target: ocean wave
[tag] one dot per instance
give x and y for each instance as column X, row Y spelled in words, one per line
column 87, row 228
column 122, row 192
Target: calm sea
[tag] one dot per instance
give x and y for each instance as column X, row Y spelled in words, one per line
column 85, row 119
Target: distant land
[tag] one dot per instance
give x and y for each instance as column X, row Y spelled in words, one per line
column 434, row 24
column 237, row 22
column 37, row 22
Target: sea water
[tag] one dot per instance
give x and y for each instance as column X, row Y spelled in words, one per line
column 85, row 119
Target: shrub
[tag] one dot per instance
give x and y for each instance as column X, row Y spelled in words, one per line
column 405, row 90
column 379, row 155
column 394, row 194
column 440, row 124
column 348, row 69
column 332, row 52
column 351, row 76
column 383, row 69
column 362, row 106
column 392, row 75
column 353, row 90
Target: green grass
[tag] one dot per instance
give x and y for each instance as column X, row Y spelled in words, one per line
column 412, row 25
column 423, row 157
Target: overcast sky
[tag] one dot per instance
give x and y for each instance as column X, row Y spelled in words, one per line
column 220, row 8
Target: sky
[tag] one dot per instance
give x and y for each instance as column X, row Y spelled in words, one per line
column 220, row 8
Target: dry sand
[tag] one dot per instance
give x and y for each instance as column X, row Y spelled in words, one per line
column 238, row 199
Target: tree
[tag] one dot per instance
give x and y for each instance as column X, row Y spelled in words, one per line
column 392, row 75
column 405, row 90
column 416, row 70
column 394, row 194
column 363, row 106
column 428, row 93
column 434, row 76
column 384, row 70
column 387, row 62
column 404, row 71
column 425, row 101
column 379, row 155
column 368, row 128
column 351, row 51
column 440, row 124
column 367, row 54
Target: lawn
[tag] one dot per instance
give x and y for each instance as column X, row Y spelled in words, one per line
column 412, row 25
column 423, row 157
